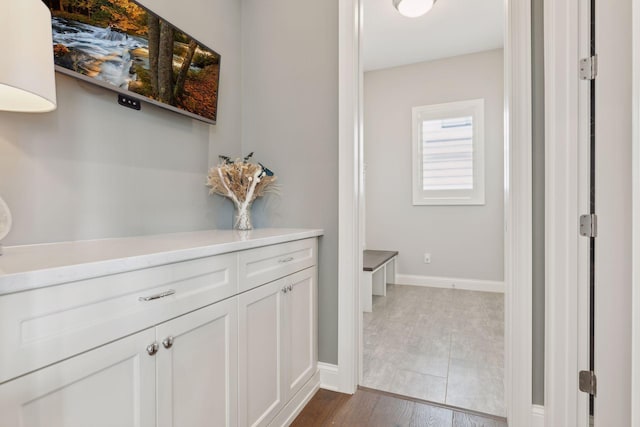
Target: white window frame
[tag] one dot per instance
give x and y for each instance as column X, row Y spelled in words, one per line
column 475, row 196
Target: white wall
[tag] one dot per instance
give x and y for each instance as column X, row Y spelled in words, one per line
column 94, row 169
column 464, row 241
column 290, row 119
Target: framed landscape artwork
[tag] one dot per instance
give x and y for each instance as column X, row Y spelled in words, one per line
column 122, row 46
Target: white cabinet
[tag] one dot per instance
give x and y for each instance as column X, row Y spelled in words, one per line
column 301, row 329
column 196, row 368
column 188, row 364
column 277, row 345
column 222, row 340
column 114, row 385
column 260, row 338
column 262, row 265
column 46, row 325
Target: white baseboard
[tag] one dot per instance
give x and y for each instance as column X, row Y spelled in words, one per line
column 329, row 376
column 450, row 282
column 292, row 409
column 537, row 416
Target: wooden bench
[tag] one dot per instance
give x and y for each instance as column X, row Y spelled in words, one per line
column 379, row 268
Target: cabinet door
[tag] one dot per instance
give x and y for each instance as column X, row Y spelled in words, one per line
column 301, row 325
column 197, row 368
column 261, row 386
column 113, row 385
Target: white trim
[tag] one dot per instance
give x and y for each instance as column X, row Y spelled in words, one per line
column 297, row 403
column 518, row 189
column 329, row 376
column 450, row 282
column 537, row 416
column 635, row 358
column 566, row 197
column 518, row 247
column 349, row 235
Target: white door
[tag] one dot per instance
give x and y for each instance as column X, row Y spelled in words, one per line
column 197, row 368
column 612, row 199
column 300, row 324
column 261, row 390
column 113, row 385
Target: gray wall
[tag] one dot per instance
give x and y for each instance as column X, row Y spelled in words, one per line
column 94, row 169
column 464, row 241
column 290, row 119
column 538, row 202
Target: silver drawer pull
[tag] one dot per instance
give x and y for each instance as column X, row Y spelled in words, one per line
column 158, row 296
column 287, row 259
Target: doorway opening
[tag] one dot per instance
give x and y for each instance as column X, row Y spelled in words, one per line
column 433, row 144
column 517, row 214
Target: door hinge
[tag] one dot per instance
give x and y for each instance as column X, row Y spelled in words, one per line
column 589, row 68
column 587, row 380
column 589, row 225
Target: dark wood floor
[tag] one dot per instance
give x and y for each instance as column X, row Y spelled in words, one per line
column 370, row 408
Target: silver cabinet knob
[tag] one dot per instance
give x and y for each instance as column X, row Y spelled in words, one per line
column 153, row 348
column 287, row 289
column 168, row 342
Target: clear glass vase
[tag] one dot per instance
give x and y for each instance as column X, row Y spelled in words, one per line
column 242, row 217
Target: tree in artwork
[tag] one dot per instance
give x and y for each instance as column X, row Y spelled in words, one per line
column 165, row 63
column 154, row 51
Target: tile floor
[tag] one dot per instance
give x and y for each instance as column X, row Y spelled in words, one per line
column 441, row 345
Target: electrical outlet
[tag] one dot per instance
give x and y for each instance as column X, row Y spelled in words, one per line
column 427, row 258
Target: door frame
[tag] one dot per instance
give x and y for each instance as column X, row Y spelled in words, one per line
column 518, row 204
column 635, row 166
column 566, row 40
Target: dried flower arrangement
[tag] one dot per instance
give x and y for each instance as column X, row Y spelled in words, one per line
column 242, row 182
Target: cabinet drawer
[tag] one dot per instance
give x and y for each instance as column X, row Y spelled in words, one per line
column 50, row 324
column 261, row 265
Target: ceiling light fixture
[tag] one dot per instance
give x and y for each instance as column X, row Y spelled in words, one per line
column 413, row 8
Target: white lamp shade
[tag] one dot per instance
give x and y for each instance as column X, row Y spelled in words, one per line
column 413, row 8
column 27, row 76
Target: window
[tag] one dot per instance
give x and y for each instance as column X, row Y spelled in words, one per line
column 448, row 153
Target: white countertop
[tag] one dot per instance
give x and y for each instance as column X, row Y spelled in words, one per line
column 34, row 266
